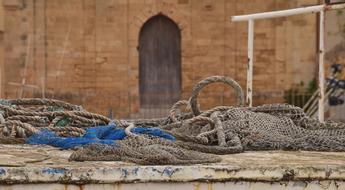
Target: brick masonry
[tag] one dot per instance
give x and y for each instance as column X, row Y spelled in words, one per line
column 85, row 51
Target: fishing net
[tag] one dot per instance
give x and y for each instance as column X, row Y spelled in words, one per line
column 180, row 138
column 143, row 150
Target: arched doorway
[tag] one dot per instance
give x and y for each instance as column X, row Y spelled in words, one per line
column 159, row 63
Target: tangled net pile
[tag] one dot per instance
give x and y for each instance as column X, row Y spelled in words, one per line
column 180, row 138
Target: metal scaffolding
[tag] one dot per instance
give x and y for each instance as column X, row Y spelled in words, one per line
column 283, row 13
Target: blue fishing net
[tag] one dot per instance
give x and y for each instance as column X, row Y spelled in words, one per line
column 100, row 135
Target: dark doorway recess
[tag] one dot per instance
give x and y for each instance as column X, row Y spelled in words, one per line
column 159, row 63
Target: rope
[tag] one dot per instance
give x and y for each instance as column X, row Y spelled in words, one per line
column 20, row 118
column 128, row 130
column 67, row 129
column 220, row 130
column 175, row 108
column 45, row 102
column 75, row 115
column 27, row 118
column 27, row 127
column 200, row 85
column 2, row 119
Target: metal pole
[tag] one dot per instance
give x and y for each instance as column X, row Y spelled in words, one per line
column 288, row 12
column 282, row 13
column 249, row 99
column 321, row 67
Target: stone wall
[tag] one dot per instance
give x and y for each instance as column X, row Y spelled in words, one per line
column 85, row 51
column 1, row 47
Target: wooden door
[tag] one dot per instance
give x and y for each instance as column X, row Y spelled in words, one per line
column 159, row 63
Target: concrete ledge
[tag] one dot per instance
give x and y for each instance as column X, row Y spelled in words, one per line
column 34, row 164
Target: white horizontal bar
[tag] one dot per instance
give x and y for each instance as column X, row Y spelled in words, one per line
column 288, row 12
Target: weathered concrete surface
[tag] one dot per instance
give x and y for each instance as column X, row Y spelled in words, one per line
column 240, row 185
column 34, row 164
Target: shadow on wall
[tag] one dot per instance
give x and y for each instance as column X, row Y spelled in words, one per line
column 300, row 94
column 335, row 39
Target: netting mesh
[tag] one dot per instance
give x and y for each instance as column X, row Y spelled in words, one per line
column 180, row 138
column 143, row 150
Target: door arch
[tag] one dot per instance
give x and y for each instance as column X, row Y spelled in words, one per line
column 159, row 62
